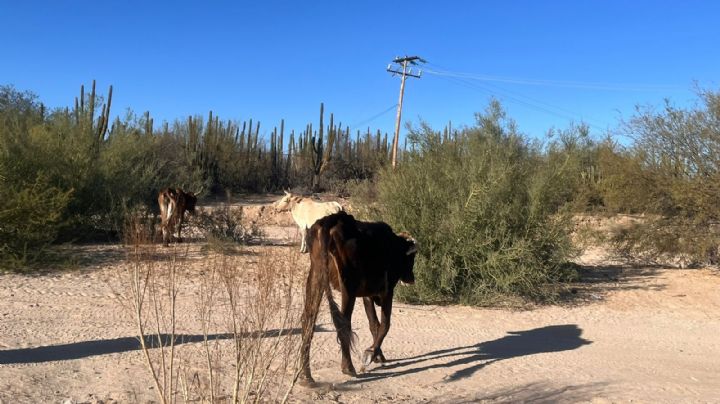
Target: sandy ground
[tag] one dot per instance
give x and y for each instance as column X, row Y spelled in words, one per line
column 647, row 334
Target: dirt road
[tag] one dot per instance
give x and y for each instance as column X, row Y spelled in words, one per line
column 636, row 334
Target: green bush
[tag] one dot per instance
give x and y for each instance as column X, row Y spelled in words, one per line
column 673, row 172
column 482, row 207
column 29, row 222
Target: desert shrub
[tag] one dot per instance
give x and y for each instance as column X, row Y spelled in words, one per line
column 239, row 323
column 106, row 173
column 572, row 154
column 622, row 184
column 480, row 207
column 224, row 227
column 29, row 222
column 133, row 166
column 673, row 173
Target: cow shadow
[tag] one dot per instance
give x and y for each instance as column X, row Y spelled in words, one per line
column 84, row 349
column 555, row 338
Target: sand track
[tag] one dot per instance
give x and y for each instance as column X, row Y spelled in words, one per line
column 634, row 334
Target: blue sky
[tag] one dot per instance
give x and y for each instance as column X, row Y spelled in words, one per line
column 549, row 62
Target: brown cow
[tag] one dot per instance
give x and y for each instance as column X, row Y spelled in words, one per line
column 359, row 259
column 173, row 204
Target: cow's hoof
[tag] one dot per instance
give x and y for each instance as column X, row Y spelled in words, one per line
column 350, row 371
column 367, row 357
column 306, row 382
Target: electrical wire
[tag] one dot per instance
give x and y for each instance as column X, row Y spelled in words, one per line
column 374, row 117
column 527, row 102
column 553, row 83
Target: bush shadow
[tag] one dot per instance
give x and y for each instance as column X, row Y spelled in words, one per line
column 597, row 281
column 539, row 393
column 84, row 349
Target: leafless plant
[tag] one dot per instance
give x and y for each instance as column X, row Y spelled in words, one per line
column 244, row 337
column 153, row 291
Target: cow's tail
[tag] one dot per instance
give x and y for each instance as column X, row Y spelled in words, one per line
column 345, row 335
column 313, row 298
column 321, row 285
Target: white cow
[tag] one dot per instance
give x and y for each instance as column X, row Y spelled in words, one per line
column 306, row 212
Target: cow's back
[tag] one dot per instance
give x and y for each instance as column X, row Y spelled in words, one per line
column 365, row 252
column 306, row 212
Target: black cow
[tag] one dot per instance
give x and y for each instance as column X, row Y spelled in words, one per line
column 359, row 259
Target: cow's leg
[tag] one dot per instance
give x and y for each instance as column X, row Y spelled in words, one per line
column 348, row 303
column 313, row 297
column 303, row 236
column 179, row 226
column 374, row 328
column 166, row 230
column 163, row 219
column 168, row 222
column 163, row 228
column 386, row 309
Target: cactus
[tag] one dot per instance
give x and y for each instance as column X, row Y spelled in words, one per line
column 281, row 174
column 92, row 102
column 76, row 111
column 148, row 123
column 105, row 116
column 321, row 152
column 85, row 119
column 291, row 149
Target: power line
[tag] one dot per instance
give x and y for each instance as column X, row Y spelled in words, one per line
column 555, row 83
column 517, row 98
column 563, row 112
column 373, row 117
column 497, row 93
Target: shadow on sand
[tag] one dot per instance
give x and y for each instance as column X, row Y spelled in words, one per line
column 536, row 393
column 84, row 349
column 598, row 281
column 555, row 338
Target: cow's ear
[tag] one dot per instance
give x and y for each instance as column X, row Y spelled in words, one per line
column 412, row 243
column 412, row 249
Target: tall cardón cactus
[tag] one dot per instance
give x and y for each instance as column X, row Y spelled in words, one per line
column 84, row 114
column 322, row 153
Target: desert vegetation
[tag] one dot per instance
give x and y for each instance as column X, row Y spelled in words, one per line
column 494, row 210
column 490, row 204
column 245, row 348
column 77, row 176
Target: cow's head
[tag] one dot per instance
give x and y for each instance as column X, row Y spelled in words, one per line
column 190, row 202
column 409, row 247
column 284, row 202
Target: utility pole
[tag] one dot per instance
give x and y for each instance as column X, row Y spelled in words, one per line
column 404, row 62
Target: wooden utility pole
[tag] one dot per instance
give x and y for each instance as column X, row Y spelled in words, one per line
column 404, row 62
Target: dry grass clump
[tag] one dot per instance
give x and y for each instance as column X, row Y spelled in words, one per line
column 221, row 330
column 225, row 227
